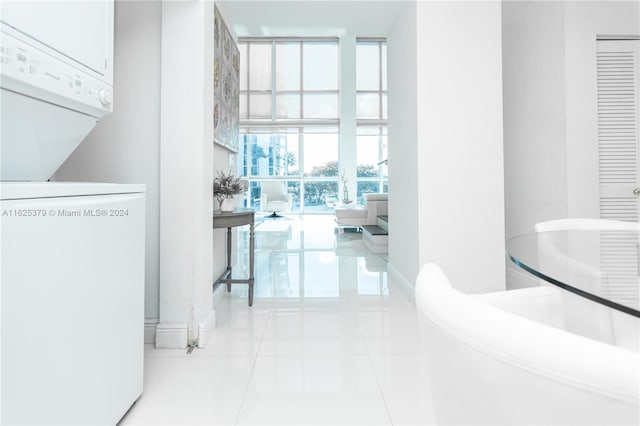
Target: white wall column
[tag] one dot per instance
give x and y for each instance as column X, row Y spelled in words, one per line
column 534, row 114
column 348, row 115
column 459, row 138
column 186, row 160
column 403, row 148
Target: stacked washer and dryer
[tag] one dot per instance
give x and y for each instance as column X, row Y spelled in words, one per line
column 72, row 254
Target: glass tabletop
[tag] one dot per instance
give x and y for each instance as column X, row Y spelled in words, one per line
column 597, row 264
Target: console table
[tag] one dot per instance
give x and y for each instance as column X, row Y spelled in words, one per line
column 238, row 217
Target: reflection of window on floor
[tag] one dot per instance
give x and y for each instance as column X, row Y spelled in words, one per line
column 291, row 262
column 370, row 282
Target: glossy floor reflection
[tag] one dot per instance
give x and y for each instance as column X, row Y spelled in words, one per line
column 329, row 340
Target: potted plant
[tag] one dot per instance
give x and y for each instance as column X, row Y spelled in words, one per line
column 225, row 187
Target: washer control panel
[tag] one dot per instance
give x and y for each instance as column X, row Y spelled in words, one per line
column 28, row 70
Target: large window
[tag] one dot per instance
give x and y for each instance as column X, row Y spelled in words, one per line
column 289, row 113
column 303, row 157
column 290, row 119
column 371, row 79
column 371, row 112
column 289, row 80
column 371, row 149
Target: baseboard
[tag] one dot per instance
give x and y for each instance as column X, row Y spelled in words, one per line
column 206, row 328
column 404, row 285
column 172, row 335
column 150, row 325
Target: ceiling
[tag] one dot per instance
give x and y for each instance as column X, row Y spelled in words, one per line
column 309, row 18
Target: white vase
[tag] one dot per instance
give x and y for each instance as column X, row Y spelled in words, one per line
column 227, row 205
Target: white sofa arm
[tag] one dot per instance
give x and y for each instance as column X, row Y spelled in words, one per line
column 481, row 356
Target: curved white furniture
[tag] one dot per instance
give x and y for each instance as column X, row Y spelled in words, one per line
column 502, row 358
column 375, row 205
column 586, row 223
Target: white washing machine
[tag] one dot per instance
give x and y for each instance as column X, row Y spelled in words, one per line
column 72, row 273
column 72, row 256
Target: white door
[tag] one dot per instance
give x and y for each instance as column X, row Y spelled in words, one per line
column 618, row 64
column 618, row 85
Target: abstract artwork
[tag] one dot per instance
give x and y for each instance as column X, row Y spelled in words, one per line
column 226, row 85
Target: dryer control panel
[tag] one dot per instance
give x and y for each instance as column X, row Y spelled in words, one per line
column 28, row 70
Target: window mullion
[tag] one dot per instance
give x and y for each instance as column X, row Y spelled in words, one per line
column 301, row 162
column 380, row 79
column 380, row 153
column 274, row 115
column 248, row 80
column 301, row 81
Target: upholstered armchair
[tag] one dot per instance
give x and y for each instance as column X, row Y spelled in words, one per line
column 275, row 198
column 374, row 205
column 506, row 358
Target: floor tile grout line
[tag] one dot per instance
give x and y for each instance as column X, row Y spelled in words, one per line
column 360, row 336
column 375, row 374
column 253, row 367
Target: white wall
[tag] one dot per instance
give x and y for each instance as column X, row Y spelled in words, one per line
column 446, row 180
column 125, row 146
column 584, row 21
column 550, row 110
column 186, row 165
column 460, row 148
column 534, row 114
column 403, row 149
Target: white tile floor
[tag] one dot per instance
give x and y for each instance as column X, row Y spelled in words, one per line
column 328, row 341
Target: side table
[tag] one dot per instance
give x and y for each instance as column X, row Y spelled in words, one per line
column 238, row 217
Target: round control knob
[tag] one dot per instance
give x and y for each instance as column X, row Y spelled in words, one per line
column 105, row 96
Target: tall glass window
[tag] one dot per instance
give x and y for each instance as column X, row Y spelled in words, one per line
column 287, row 79
column 371, row 79
column 289, row 119
column 371, row 151
column 371, row 112
column 303, row 157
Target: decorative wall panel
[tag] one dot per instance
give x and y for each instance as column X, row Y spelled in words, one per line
column 226, row 85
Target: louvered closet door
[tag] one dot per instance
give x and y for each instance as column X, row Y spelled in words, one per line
column 618, row 124
column 618, row 83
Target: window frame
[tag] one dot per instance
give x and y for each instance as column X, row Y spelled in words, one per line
column 381, row 91
column 285, row 125
column 379, row 122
